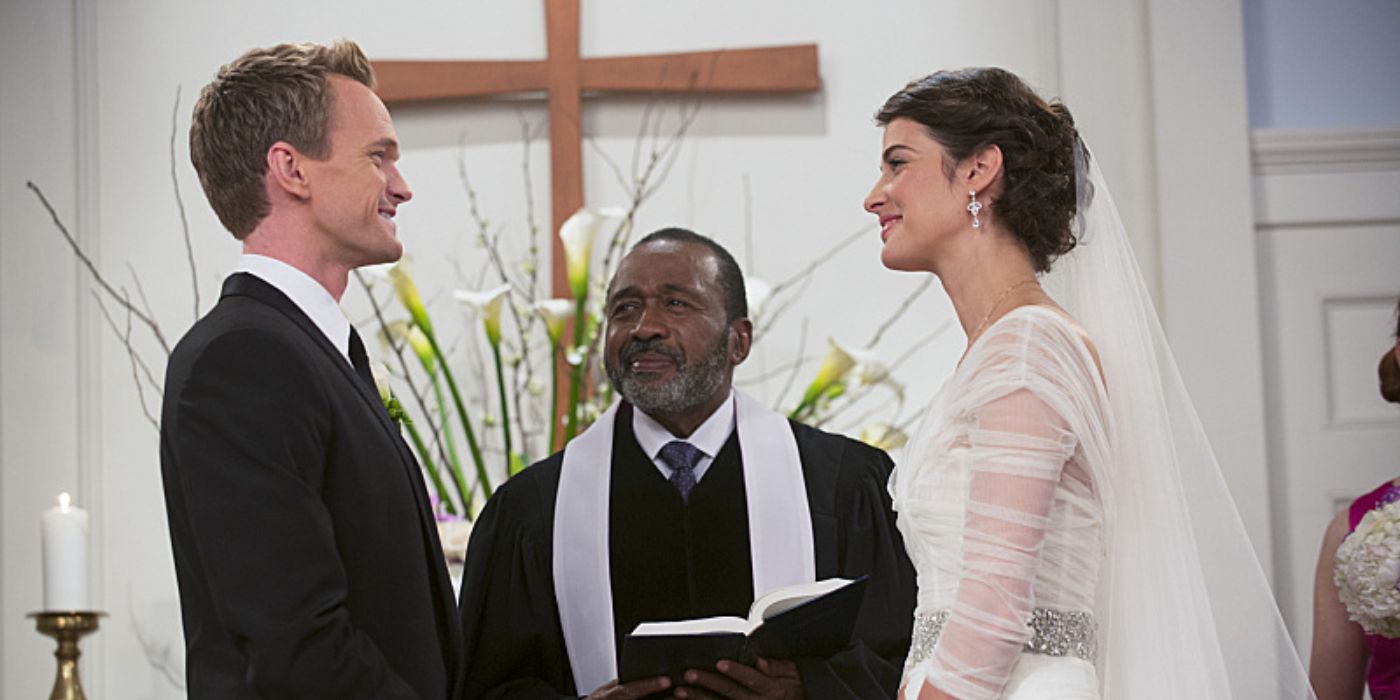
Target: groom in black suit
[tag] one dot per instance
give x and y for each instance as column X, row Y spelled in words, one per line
column 308, row 560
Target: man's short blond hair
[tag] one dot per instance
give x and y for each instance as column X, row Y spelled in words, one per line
column 266, row 95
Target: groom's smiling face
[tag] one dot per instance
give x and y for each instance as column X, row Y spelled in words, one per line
column 668, row 348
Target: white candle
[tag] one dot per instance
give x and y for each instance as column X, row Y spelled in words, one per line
column 65, row 531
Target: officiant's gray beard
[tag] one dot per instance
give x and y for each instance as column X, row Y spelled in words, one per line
column 692, row 384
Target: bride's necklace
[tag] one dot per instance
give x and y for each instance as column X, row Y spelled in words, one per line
column 995, row 305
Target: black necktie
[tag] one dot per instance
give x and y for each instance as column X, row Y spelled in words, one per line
column 682, row 458
column 360, row 361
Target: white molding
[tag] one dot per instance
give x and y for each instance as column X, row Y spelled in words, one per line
column 1209, row 263
column 1330, row 181
column 1106, row 78
column 1324, row 150
column 1322, row 185
column 87, row 230
column 1382, row 298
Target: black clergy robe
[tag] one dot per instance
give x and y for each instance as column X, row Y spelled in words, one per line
column 674, row 561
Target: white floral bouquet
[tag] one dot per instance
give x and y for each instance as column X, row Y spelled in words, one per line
column 1367, row 569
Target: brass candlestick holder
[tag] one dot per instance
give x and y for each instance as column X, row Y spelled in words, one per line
column 66, row 627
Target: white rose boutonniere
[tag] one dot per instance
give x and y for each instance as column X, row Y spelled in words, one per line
column 1367, row 569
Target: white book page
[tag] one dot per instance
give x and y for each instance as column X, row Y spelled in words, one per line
column 781, row 600
column 707, row 625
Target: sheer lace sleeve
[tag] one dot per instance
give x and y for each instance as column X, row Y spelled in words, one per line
column 1020, row 447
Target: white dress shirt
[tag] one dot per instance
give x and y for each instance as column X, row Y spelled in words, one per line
column 306, row 293
column 709, row 438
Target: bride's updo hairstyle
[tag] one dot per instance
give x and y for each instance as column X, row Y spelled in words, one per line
column 967, row 110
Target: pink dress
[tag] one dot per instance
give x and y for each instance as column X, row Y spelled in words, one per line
column 1383, row 666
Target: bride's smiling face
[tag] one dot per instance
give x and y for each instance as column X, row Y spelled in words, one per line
column 920, row 207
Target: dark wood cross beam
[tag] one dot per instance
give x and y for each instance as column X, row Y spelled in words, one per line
column 564, row 75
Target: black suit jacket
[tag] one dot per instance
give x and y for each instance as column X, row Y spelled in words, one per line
column 307, row 556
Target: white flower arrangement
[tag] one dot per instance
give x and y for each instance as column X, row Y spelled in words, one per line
column 1367, row 568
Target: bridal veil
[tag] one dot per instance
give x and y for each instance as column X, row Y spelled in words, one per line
column 1185, row 610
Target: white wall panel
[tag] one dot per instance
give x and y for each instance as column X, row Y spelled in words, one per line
column 1329, row 246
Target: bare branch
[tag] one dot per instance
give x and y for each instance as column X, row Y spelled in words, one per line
column 776, row 371
column 610, row 162
column 803, row 278
column 491, row 243
column 748, row 227
column 140, row 291
column 912, row 419
column 132, row 357
column 647, row 182
column 180, row 202
column 532, row 259
column 823, row 258
column 761, row 329
column 903, row 307
column 670, row 152
column 792, row 376
column 92, row 269
column 918, row 345
column 162, row 658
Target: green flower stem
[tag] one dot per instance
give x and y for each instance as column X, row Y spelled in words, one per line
column 575, row 380
column 505, row 408
column 807, row 407
column 576, row 371
column 798, row 413
column 481, row 475
column 428, row 464
column 456, row 462
column 553, row 395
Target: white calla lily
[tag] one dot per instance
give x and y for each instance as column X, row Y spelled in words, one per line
column 869, row 368
column 488, row 304
column 381, row 381
column 556, row 313
column 422, row 347
column 407, row 292
column 391, row 334
column 409, row 332
column 834, row 368
column 578, row 234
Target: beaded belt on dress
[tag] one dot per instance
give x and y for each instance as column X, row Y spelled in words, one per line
column 1053, row 633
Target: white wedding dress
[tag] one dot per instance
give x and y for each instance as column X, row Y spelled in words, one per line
column 1002, row 516
column 1071, row 530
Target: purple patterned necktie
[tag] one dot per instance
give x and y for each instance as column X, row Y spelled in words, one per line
column 682, row 457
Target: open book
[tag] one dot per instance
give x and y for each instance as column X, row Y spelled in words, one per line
column 809, row 620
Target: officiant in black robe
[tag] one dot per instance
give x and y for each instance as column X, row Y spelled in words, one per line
column 684, row 500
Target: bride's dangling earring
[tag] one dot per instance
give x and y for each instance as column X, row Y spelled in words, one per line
column 974, row 207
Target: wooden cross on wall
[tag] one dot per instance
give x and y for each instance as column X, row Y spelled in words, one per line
column 564, row 75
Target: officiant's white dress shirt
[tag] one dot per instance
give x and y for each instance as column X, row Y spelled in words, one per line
column 709, row 438
column 306, row 293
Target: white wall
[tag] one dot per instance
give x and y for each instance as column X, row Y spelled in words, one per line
column 41, row 357
column 808, row 161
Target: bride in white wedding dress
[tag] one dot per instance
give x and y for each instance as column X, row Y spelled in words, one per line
column 1060, row 504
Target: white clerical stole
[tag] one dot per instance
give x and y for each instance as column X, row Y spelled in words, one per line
column 780, row 529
